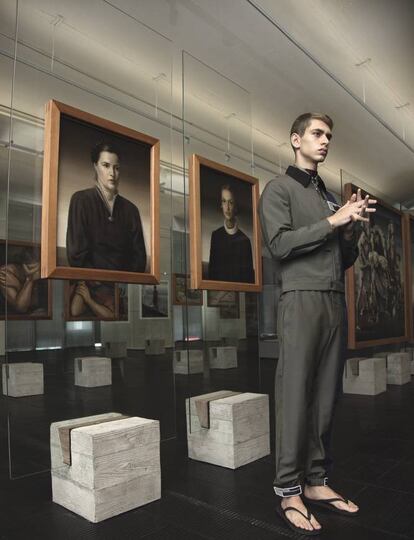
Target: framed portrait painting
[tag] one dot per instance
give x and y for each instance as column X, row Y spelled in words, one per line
column 376, row 284
column 182, row 294
column 155, row 301
column 23, row 294
column 225, row 245
column 100, row 214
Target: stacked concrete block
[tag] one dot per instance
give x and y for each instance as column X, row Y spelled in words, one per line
column 410, row 351
column 116, row 349
column 23, row 379
column 115, row 465
column 238, row 432
column 154, row 346
column 365, row 376
column 398, row 368
column 222, row 357
column 93, row 371
column 188, row 362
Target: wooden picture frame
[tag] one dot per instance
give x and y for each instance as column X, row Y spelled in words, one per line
column 409, row 272
column 377, row 296
column 58, row 114
column 201, row 171
column 41, row 287
column 182, row 294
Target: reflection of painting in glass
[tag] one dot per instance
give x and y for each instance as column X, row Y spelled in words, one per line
column 379, row 281
column 230, row 312
column 90, row 301
column 154, row 301
column 182, row 294
column 23, row 295
column 222, row 298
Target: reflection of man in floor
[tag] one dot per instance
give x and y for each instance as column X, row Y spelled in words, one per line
column 92, row 298
column 230, row 249
column 21, row 287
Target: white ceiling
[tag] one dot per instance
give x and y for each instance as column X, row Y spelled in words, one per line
column 291, row 57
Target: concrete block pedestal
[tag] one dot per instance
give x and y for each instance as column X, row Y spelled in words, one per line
column 188, row 362
column 222, row 357
column 115, row 465
column 398, row 368
column 238, row 432
column 365, row 376
column 93, row 371
column 23, row 379
column 154, row 346
column 116, row 349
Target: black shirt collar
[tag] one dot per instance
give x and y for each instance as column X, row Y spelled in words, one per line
column 303, row 177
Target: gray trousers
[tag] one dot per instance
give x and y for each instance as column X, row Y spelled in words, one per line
column 311, row 329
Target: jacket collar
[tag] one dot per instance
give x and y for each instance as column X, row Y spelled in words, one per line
column 303, row 177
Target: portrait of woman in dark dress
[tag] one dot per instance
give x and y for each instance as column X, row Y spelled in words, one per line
column 104, row 229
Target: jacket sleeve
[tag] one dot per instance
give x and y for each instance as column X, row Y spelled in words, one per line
column 282, row 240
column 349, row 248
column 77, row 243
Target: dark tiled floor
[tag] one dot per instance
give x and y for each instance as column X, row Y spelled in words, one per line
column 373, row 444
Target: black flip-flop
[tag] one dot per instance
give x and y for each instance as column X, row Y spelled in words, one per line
column 327, row 505
column 282, row 513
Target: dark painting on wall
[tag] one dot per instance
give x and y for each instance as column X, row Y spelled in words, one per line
column 101, row 192
column 23, row 295
column 224, row 230
column 155, row 301
column 411, row 276
column 376, row 291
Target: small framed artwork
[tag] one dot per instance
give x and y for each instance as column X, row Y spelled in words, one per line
column 225, row 245
column 90, row 300
column 155, row 301
column 222, row 298
column 23, row 294
column 182, row 294
column 377, row 295
column 232, row 311
column 100, row 219
column 409, row 271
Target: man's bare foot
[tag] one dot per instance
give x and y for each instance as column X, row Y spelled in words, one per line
column 325, row 492
column 297, row 519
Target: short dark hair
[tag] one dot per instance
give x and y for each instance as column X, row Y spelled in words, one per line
column 302, row 122
column 103, row 147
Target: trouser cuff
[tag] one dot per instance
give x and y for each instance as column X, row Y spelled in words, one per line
column 288, row 491
column 317, row 481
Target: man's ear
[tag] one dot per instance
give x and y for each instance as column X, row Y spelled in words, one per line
column 295, row 140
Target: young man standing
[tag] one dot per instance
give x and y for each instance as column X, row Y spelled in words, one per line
column 314, row 240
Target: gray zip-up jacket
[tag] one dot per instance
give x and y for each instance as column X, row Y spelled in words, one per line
column 295, row 230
